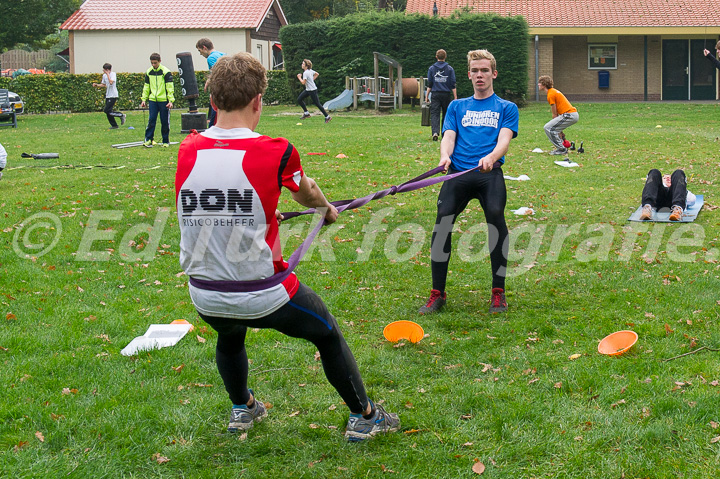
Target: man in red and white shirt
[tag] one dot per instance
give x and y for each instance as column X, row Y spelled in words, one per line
column 227, row 185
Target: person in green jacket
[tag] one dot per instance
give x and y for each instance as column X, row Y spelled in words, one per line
column 159, row 95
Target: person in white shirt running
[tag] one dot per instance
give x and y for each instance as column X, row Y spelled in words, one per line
column 109, row 82
column 307, row 78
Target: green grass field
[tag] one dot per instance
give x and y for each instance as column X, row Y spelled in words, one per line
column 89, row 258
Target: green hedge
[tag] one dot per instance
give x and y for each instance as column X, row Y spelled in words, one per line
column 75, row 93
column 342, row 47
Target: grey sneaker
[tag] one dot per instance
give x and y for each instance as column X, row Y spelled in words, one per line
column 359, row 428
column 498, row 304
column 122, row 119
column 435, row 303
column 243, row 417
column 305, row 115
column 559, row 151
column 646, row 213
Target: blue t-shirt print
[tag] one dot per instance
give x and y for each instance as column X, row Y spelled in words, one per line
column 477, row 124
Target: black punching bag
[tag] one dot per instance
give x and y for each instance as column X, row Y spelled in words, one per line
column 193, row 120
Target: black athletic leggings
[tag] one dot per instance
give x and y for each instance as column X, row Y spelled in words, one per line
column 455, row 194
column 656, row 194
column 306, row 317
column 108, row 110
column 313, row 94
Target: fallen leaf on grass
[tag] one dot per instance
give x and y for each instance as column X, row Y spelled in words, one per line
column 40, row 436
column 159, row 458
column 67, row 391
column 668, row 330
column 179, row 368
column 467, row 444
column 616, row 404
column 713, row 424
column 412, row 431
column 715, row 439
column 10, row 317
column 558, row 385
column 201, row 339
column 478, row 467
column 313, row 426
column 575, row 356
column 19, row 446
column 294, row 413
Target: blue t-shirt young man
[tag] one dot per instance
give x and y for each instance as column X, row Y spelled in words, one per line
column 476, row 133
column 206, row 48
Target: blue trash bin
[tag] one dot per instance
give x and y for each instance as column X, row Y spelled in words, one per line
column 603, row 79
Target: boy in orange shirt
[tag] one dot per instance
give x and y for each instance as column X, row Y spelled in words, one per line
column 564, row 114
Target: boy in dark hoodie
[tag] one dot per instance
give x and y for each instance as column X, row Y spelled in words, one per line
column 441, row 83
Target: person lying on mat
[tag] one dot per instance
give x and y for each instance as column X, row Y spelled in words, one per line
column 666, row 191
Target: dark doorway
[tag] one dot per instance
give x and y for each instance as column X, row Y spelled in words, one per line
column 702, row 72
column 687, row 74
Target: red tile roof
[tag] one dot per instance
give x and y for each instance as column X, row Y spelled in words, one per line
column 587, row 13
column 168, row 14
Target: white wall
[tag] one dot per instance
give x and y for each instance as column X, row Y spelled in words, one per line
column 262, row 50
column 129, row 51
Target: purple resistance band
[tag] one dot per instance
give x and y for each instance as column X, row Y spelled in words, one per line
column 416, row 183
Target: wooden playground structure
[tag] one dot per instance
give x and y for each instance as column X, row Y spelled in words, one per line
column 386, row 92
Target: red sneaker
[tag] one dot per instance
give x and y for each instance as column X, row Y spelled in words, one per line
column 435, row 303
column 497, row 301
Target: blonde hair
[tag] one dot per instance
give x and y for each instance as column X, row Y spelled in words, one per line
column 308, row 63
column 482, row 55
column 235, row 80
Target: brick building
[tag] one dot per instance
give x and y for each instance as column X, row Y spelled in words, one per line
column 125, row 32
column 603, row 50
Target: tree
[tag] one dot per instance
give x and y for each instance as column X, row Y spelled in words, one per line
column 300, row 11
column 30, row 21
column 56, row 43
